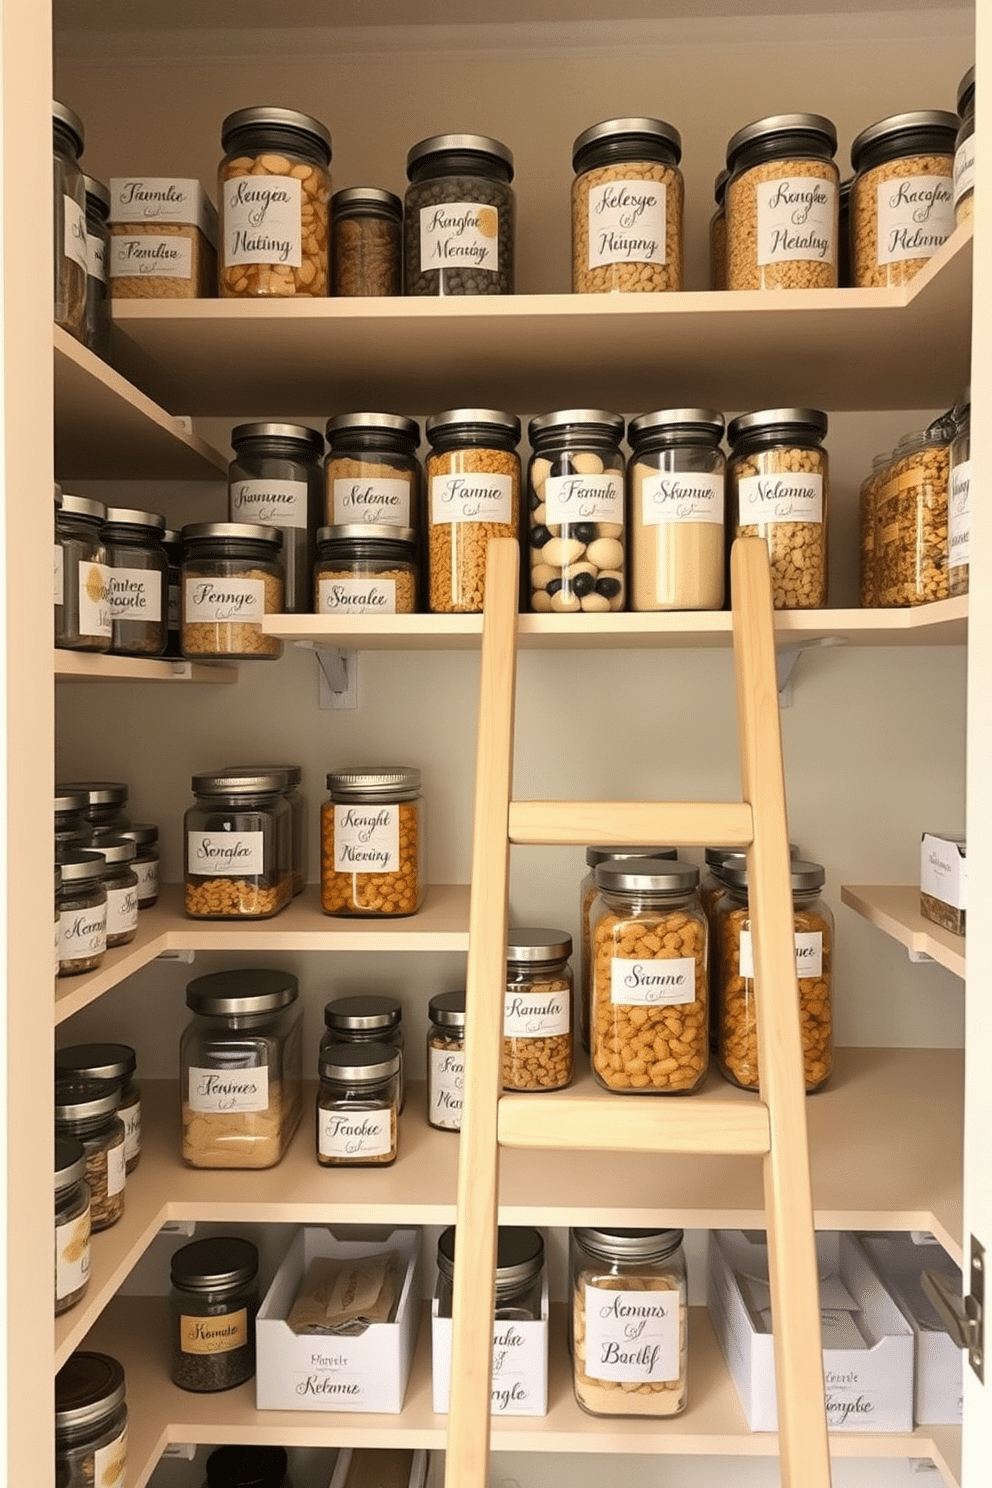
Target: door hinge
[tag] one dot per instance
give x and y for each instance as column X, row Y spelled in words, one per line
column 963, row 1319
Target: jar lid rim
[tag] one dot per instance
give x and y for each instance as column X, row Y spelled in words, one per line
column 674, row 418
column 216, row 1261
column 526, row 943
column 475, row 144
column 614, row 423
column 448, row 1008
column 116, row 849
column 812, row 124
column 894, row 124
column 376, row 778
column 246, row 531
column 88, row 1386
column 126, row 516
column 350, row 196
column 69, row 119
column 300, row 432
column 397, row 423
column 660, row 875
column 359, row 1062
column 79, row 864
column 232, row 781
column 767, row 418
column 366, row 532
column 596, row 855
column 82, row 506
column 101, row 1061
column 452, row 417
column 632, row 1244
column 246, row 118
column 363, row 1010
column 627, row 127
column 70, row 1162
column 77, row 1098
column 246, row 990
column 97, row 190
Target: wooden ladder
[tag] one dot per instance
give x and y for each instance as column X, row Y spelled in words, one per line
column 772, row 1124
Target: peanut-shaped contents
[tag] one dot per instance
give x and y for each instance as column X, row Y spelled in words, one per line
column 770, row 484
column 542, row 1060
column 624, row 1397
column 275, row 226
column 911, row 546
column 361, row 887
column 611, row 250
column 230, row 898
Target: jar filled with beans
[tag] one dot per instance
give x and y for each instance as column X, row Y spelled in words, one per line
column 718, row 232
column 371, row 474
column 238, row 837
column 959, row 499
column 782, row 204
column 366, row 242
column 737, row 998
column 473, row 495
column 867, row 519
column 902, row 200
column 587, row 898
column 459, row 217
column 911, row 555
column 677, row 482
column 649, row 1030
column 778, row 484
column 69, row 221
column 446, row 1060
column 372, row 842
column 365, row 570
column 358, row 1104
column 627, row 200
column 232, row 577
column 964, row 150
column 537, row 1010
column 276, row 480
column 87, row 1111
column 576, row 501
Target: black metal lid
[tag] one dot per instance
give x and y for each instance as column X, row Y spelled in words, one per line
column 779, row 128
column 253, row 989
column 96, row 1061
column 389, row 423
column 519, row 1254
column 125, row 516
column 82, row 506
column 97, row 193
column 358, row 1063
column 87, row 1387
column 78, row 1099
column 675, row 421
column 596, row 855
column 78, row 865
column 794, row 423
column 218, row 1261
column 363, row 1012
column 115, row 849
column 598, row 420
column 804, row 877
column 447, row 1010
column 234, row 531
column 451, row 418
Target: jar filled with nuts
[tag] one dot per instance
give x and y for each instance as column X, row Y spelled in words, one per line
column 274, row 199
column 82, row 607
column 629, row 1322
column 911, row 513
column 358, row 1103
column 737, row 1012
column 213, row 1300
column 366, row 242
column 782, row 204
column 959, row 499
column 459, row 218
column 72, row 1223
column 867, row 518
column 371, row 473
column 69, row 220
column 121, row 884
column 96, row 332
column 238, row 835
column 778, row 478
column 473, row 495
column 587, row 898
column 446, row 1060
column 232, row 577
column 365, row 570
column 276, row 480
column 627, row 199
column 537, row 1010
column 82, row 906
column 372, row 842
column 90, row 1421
column 576, row 500
column 87, row 1111
column 902, row 200
column 116, row 1063
column 369, row 1018
column 649, row 1030
column 677, row 481
column 964, row 150
column 137, row 584
column 718, row 232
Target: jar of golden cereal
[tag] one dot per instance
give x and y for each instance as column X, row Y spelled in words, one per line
column 778, row 487
column 959, row 498
column 677, row 482
column 446, row 1060
column 782, row 204
column 238, row 846
column 902, row 200
column 537, row 1010
column 649, row 1025
column 365, row 570
column 867, row 519
column 366, row 242
column 371, row 473
column 372, row 842
column 274, row 200
column 737, row 996
column 718, row 232
column 964, row 150
column 911, row 519
column 232, row 577
column 627, row 199
column 473, row 495
column 576, row 499
column 587, row 898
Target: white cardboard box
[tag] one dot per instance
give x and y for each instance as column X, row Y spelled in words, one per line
column 520, row 1363
column 900, row 1262
column 868, row 1388
column 325, row 1372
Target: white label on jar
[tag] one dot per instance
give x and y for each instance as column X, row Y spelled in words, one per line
column 122, row 910
column 262, row 220
column 74, row 237
column 354, row 1134
column 72, row 1255
column 221, row 601
column 680, row 496
column 383, row 500
column 459, row 235
column 631, row 1335
column 915, row 215
column 225, row 854
column 959, row 515
column 366, row 839
column 96, row 257
column 274, row 503
column 654, row 982
column 59, row 574
column 116, row 1168
column 235, row 1090
column 795, row 496
column 797, row 218
column 135, row 594
column 94, row 605
column 356, row 596
column 82, row 933
column 809, row 954
column 964, row 168
column 109, row 1463
column 544, row 1015
column 627, row 223
column 151, row 257
column 585, row 498
column 174, row 199
column 147, row 875
column 473, row 497
column 131, row 1117
column 445, row 1084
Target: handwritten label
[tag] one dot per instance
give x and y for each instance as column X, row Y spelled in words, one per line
column 445, row 1085
column 458, row 235
column 631, row 1336
column 262, row 220
column 546, row 1015
column 352, row 1135
column 809, row 954
column 627, row 223
column 652, row 983
column 382, row 500
column 234, row 1090
column 959, row 515
column 213, row 1335
column 797, row 220
column 221, row 601
column 225, row 854
column 681, row 497
column 585, row 498
column 356, row 596
column 794, row 497
column 274, row 503
column 366, row 839
column 915, row 216
column 134, row 594
column 476, row 497
column 150, row 257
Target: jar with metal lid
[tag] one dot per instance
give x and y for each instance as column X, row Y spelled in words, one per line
column 90, row 1421
column 902, row 200
column 172, row 543
column 649, row 1029
column 627, row 202
column 778, row 484
column 367, row 1018
column 519, row 1273
column 867, row 521
column 96, row 332
column 587, row 897
column 232, row 577
column 576, row 501
column 238, row 846
column 473, row 495
column 371, row 473
column 844, row 234
column 964, row 150
column 959, row 499
column 782, row 204
column 146, row 858
column 718, row 232
column 72, row 1223
column 446, row 1060
column 373, row 842
column 121, row 884
column 737, row 995
column 116, row 1064
column 911, row 515
column 459, row 217
column 87, row 1111
column 241, row 1068
column 276, row 480
column 106, row 802
column 247, row 1467
column 163, row 239
column 71, row 827
column 537, row 1010
column 82, row 906
column 69, row 219
column 274, row 204
column 365, row 570
column 629, row 1322
column 358, row 1104
column 677, row 481
column 298, row 813
column 366, row 242
column 137, row 584
column 82, row 607
column 213, row 1300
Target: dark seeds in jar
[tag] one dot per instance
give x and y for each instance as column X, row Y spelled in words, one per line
column 459, row 217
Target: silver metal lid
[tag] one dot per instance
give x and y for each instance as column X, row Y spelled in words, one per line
column 81, row 1100
column 88, row 1387
column 812, row 419
column 383, row 780
column 782, row 124
column 96, row 1061
column 366, row 196
column 82, row 506
column 144, row 834
column 70, row 800
column 364, row 1012
column 70, row 1163
column 58, row 495
column 629, row 1245
column 234, row 782
column 365, row 531
column 98, row 792
column 70, row 120
column 127, row 517
column 245, row 531
column 803, row 876
column 115, row 849
column 599, row 418
column 631, row 128
column 302, row 433
column 358, row 1062
column 648, row 875
column 703, row 420
column 98, row 191
column 391, row 423
column 526, row 944
column 293, row 773
column 282, row 118
column 254, row 989
column 452, row 417
column 78, row 866
column 447, row 1009
column 519, row 1254
column 926, row 120
column 596, row 855
column 472, row 144
column 216, row 1262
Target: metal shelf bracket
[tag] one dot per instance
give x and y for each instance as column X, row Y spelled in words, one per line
column 785, row 662
column 963, row 1319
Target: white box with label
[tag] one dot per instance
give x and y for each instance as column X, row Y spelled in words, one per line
column 520, row 1363
column 900, row 1262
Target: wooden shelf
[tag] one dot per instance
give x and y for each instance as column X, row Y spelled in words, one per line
column 895, row 908
column 88, row 666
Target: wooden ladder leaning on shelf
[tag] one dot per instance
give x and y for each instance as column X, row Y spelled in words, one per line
column 773, row 1124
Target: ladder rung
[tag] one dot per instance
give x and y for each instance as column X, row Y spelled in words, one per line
column 606, row 823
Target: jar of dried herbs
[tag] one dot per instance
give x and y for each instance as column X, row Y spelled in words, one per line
column 212, row 1306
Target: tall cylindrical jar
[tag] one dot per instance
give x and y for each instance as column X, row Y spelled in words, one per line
column 72, row 1223
column 87, row 1111
column 276, row 480
column 232, row 577
column 677, row 481
column 366, row 242
column 238, row 838
column 82, row 905
column 358, row 1102
column 959, row 499
column 782, row 204
column 537, row 1010
column 964, row 150
column 911, row 517
column 459, row 217
column 446, row 1060
column 116, row 1063
column 69, row 218
column 627, row 200
column 867, row 518
column 213, row 1300
column 82, row 605
column 576, row 501
column 90, row 1422
column 172, row 543
column 373, row 842
column 473, row 495
column 365, row 570
column 587, row 898
column 96, row 332
column 138, row 584
column 902, row 200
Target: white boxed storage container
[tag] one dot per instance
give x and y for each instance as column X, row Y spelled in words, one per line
column 520, row 1363
column 900, row 1262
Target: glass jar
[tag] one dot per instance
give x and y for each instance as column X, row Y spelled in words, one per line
column 274, row 196
column 902, row 200
column 677, row 481
column 121, row 884
column 116, row 1064
column 358, row 1105
column 275, row 480
column 649, row 1030
column 82, row 607
column 627, row 201
column 366, row 242
column 782, row 204
column 146, row 858
column 844, row 234
column 737, row 1038
column 473, row 495
column 238, row 846
column 537, row 1010
column 172, row 543
column 90, row 1422
column 298, row 812
column 867, row 520
column 369, row 1018
column 87, row 1111
column 96, row 331
column 163, row 239
column 69, row 218
column 718, row 232
column 371, row 473
column 248, row 1467
column 458, row 227
column 373, row 842
column 964, row 150
column 519, row 1273
column 213, row 1300
column 106, row 803
column 365, row 570
column 82, row 907
column 232, row 577
column 959, row 499
column 778, row 483
column 72, row 831
column 587, row 897
column 72, row 1223
column 446, row 1060
column 241, row 1068
column 911, row 514
column 629, row 1322
column 576, row 500
column 138, row 581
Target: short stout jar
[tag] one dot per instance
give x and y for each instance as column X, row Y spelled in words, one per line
column 276, row 480
column 372, row 842
column 537, row 1010
column 576, row 503
column 90, row 1422
column 138, row 582
column 115, row 1063
column 366, row 571
column 459, row 217
column 146, row 860
column 519, row 1273
column 106, row 803
column 358, row 1105
column 959, row 499
column 366, row 1018
column 69, row 221
column 232, row 577
column 121, row 884
column 366, row 242
column 213, row 1300
column 782, row 204
column 902, row 199
column 82, row 605
column 677, row 484
column 72, row 831
column 72, row 1224
column 87, row 1111
column 627, row 200
column 238, row 846
column 82, row 906
column 964, row 150
column 446, row 1060
column 299, row 813
column 371, row 471
column 473, row 496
